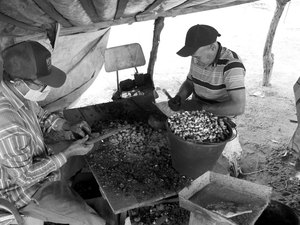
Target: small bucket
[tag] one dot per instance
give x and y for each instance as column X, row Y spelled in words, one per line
column 194, row 159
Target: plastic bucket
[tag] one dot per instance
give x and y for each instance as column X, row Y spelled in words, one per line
column 194, row 159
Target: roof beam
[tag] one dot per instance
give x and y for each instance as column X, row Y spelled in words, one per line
column 51, row 11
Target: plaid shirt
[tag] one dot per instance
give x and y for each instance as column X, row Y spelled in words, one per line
column 25, row 163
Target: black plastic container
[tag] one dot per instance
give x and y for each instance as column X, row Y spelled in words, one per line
column 278, row 213
column 194, row 159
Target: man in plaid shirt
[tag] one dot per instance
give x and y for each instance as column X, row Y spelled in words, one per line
column 30, row 172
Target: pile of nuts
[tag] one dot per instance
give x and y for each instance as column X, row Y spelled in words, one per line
column 199, row 127
column 137, row 138
column 136, row 161
column 164, row 213
column 132, row 93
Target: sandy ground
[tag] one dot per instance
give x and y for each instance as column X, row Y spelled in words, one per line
column 265, row 126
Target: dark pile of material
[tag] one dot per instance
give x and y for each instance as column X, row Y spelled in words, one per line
column 163, row 214
column 279, row 172
column 280, row 169
column 136, row 161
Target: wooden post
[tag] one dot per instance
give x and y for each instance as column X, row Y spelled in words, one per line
column 158, row 26
column 268, row 56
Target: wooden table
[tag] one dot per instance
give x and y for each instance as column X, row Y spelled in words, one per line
column 120, row 202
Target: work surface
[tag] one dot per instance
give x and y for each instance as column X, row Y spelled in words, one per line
column 134, row 168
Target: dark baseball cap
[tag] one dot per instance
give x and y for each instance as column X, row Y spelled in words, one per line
column 196, row 37
column 29, row 60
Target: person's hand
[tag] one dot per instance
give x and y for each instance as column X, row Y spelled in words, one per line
column 81, row 129
column 78, row 147
column 175, row 103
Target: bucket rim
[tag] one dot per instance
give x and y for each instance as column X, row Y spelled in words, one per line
column 230, row 137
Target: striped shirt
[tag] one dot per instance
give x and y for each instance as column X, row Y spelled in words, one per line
column 212, row 84
column 25, row 163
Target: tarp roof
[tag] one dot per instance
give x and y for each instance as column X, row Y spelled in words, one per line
column 37, row 18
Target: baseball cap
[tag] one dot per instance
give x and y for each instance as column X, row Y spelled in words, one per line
column 29, row 60
column 196, row 37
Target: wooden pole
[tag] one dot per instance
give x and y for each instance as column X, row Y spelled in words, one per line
column 268, row 56
column 158, row 26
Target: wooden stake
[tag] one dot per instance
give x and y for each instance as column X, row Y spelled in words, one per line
column 158, row 26
column 268, row 56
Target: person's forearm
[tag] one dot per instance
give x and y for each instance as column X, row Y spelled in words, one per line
column 49, row 121
column 185, row 90
column 38, row 170
column 192, row 105
column 229, row 108
column 68, row 153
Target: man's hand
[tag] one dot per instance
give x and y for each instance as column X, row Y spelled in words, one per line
column 175, row 103
column 78, row 147
column 81, row 129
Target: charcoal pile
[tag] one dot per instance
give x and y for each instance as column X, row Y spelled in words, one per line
column 199, row 127
column 163, row 214
column 136, row 161
column 278, row 172
column 280, row 169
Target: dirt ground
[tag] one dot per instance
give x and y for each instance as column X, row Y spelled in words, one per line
column 265, row 126
column 266, row 129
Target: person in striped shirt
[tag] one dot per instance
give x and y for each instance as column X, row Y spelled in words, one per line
column 216, row 76
column 30, row 172
column 216, row 83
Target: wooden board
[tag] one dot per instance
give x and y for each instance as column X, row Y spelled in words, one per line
column 122, row 203
column 212, row 188
column 154, row 148
column 124, row 57
column 134, row 168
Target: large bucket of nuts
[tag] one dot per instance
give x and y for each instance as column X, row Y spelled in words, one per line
column 196, row 141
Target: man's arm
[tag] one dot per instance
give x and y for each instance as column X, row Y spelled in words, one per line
column 186, row 89
column 56, row 121
column 17, row 158
column 235, row 106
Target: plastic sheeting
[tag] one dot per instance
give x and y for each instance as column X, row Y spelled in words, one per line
column 81, row 57
column 169, row 4
column 135, row 6
column 12, row 30
column 73, row 11
column 26, row 11
column 218, row 2
column 17, row 13
column 106, row 10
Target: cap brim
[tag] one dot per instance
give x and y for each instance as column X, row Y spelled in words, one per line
column 55, row 79
column 186, row 51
